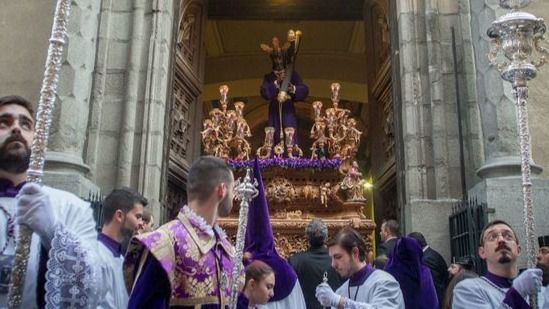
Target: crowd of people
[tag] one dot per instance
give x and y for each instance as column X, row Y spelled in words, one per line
column 187, row 262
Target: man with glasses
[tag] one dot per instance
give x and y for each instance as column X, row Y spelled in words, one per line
column 501, row 287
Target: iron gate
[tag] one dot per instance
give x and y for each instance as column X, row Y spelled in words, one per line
column 466, row 222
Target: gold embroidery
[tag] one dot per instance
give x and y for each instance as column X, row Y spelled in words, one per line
column 200, row 289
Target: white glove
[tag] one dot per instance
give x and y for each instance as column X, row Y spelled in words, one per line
column 529, row 282
column 326, row 297
column 34, row 210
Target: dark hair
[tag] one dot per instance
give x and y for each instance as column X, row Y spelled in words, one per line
column 419, row 237
column 123, row 199
column 205, row 174
column 492, row 223
column 17, row 100
column 257, row 270
column 449, row 293
column 392, row 227
column 348, row 238
column 317, row 233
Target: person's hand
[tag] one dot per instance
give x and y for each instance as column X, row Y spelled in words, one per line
column 326, row 297
column 34, row 210
column 291, row 89
column 529, row 282
column 282, row 96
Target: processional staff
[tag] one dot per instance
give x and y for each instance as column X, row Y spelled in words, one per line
column 245, row 191
column 44, row 117
column 517, row 35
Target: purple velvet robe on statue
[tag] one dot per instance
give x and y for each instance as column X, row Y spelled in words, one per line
column 413, row 276
column 269, row 92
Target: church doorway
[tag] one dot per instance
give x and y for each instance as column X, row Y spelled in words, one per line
column 345, row 42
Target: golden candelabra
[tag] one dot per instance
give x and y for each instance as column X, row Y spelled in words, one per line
column 342, row 137
column 226, row 132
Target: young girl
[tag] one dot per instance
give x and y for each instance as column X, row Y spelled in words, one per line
column 258, row 286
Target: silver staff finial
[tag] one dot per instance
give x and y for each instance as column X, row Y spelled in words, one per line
column 245, row 191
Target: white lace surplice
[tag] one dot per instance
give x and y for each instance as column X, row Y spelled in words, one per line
column 73, row 275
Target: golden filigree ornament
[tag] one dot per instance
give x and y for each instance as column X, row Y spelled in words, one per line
column 342, row 137
column 265, row 151
column 324, row 193
column 226, row 132
column 281, row 190
column 289, row 244
column 293, row 149
column 351, row 184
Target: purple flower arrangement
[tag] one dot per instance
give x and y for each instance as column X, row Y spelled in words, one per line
column 298, row 163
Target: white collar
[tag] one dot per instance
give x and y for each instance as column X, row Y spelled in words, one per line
column 202, row 224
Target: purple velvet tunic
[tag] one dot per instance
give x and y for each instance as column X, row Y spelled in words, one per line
column 413, row 276
column 184, row 263
column 269, row 92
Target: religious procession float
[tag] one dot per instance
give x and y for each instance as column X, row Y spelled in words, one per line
column 300, row 184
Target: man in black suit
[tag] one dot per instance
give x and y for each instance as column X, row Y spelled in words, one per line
column 389, row 234
column 311, row 265
column 435, row 262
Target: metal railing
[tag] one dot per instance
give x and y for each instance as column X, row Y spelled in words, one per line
column 96, row 203
column 466, row 222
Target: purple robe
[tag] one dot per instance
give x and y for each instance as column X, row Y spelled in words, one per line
column 259, row 242
column 512, row 297
column 269, row 92
column 182, row 264
column 490, row 291
column 413, row 276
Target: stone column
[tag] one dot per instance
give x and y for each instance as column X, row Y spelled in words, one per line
column 154, row 137
column 495, row 99
column 65, row 164
column 501, row 185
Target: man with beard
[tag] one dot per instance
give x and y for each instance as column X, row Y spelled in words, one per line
column 501, row 287
column 122, row 218
column 366, row 287
column 543, row 264
column 187, row 262
column 64, row 236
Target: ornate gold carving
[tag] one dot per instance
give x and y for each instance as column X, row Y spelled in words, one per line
column 342, row 139
column 264, row 151
column 281, row 190
column 289, row 234
column 352, row 185
column 289, row 244
column 324, row 193
column 226, row 132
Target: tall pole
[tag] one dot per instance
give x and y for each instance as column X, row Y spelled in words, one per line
column 516, row 35
column 245, row 192
column 44, row 117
